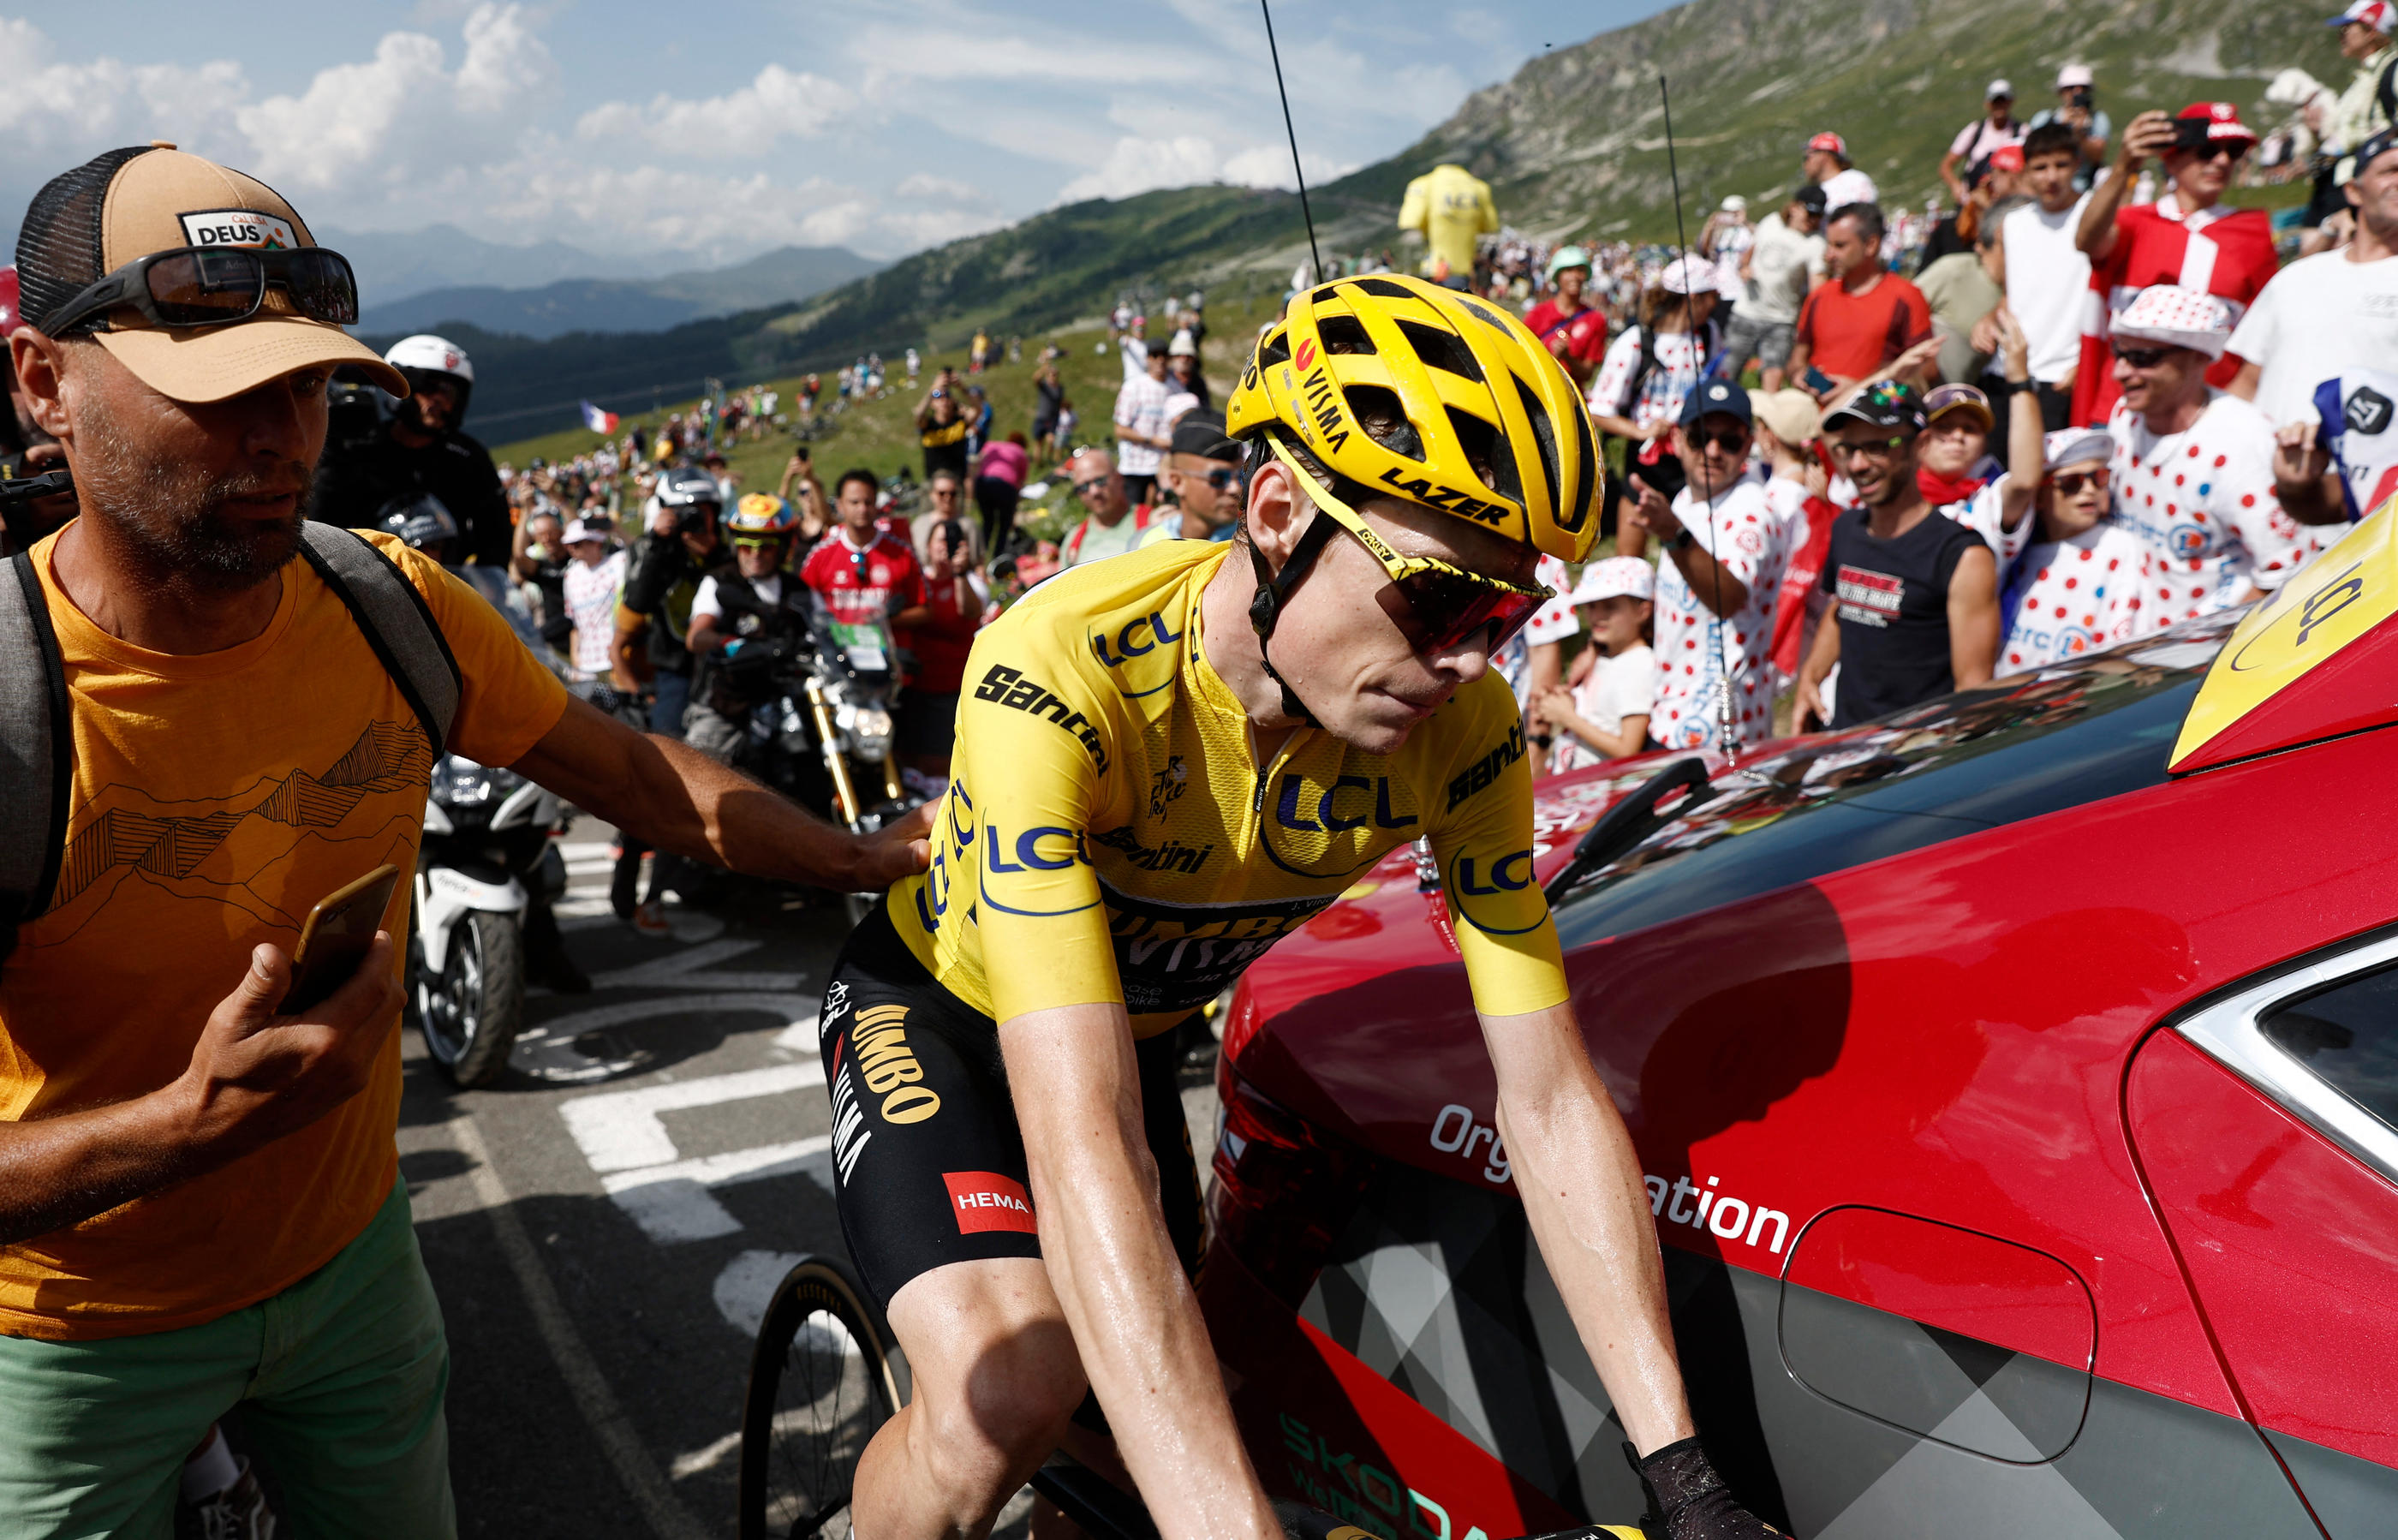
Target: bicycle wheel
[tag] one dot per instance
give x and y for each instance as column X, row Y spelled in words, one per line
column 823, row 1378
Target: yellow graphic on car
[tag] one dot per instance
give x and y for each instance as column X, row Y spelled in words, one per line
column 2338, row 598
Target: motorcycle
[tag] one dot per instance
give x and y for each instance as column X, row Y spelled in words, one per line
column 823, row 735
column 489, row 848
column 489, row 855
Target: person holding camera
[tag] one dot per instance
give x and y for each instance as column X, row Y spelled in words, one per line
column 2076, row 97
column 2188, row 237
column 417, row 449
column 942, row 426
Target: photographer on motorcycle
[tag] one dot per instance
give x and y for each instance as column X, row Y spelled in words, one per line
column 419, row 448
column 681, row 549
column 743, row 624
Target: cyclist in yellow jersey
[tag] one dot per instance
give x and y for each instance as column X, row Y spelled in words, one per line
column 1166, row 761
column 1451, row 207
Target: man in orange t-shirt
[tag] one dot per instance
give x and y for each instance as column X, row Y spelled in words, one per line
column 199, row 1203
column 1864, row 321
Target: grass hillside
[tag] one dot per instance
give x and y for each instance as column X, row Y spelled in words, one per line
column 879, row 435
column 1573, row 144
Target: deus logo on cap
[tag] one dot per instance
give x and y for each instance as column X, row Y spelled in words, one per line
column 239, row 227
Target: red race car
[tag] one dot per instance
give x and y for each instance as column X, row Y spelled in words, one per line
column 2017, row 1083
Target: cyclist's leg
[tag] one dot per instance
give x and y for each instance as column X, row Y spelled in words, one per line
column 930, row 1179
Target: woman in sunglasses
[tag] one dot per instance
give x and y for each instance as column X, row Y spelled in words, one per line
column 2077, row 588
column 1165, row 761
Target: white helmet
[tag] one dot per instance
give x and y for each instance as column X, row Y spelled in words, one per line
column 425, row 358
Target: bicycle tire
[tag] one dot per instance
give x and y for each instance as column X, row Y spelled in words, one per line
column 821, row 1339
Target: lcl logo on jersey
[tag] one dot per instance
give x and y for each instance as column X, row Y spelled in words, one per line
column 1134, row 638
column 2186, row 541
column 1350, row 801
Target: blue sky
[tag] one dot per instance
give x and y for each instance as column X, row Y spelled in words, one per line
column 720, row 130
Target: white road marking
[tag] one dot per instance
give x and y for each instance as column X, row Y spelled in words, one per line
column 620, row 1130
column 667, row 1518
column 747, row 1285
column 708, row 1458
column 625, row 1143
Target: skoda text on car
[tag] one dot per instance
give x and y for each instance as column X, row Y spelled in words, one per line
column 2015, row 1080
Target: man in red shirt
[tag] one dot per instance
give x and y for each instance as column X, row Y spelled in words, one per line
column 2185, row 238
column 1856, row 326
column 863, row 575
column 1574, row 329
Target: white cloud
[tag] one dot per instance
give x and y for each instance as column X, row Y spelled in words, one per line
column 741, row 123
column 503, row 59
column 1137, row 165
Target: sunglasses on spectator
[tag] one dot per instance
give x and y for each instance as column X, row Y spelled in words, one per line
column 2071, row 482
column 1094, row 485
column 2143, row 357
column 209, row 286
column 1445, row 606
column 945, row 491
column 1730, row 440
column 757, row 542
column 1872, row 449
column 1222, row 477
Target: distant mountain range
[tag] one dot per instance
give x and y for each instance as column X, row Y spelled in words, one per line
column 554, row 309
column 393, row 264
column 1573, row 145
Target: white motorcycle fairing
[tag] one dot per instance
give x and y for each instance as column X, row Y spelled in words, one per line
column 444, row 895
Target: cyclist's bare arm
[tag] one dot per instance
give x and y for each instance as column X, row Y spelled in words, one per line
column 1112, row 1264
column 254, row 1076
column 674, row 797
column 1579, row 1175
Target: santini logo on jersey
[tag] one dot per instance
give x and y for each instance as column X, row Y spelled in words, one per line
column 1010, row 688
column 1478, row 775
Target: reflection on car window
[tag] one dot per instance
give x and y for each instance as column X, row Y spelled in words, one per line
column 2347, row 1036
column 2032, row 744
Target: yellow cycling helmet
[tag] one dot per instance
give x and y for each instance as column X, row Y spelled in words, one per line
column 1473, row 384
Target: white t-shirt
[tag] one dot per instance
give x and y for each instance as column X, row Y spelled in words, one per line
column 1625, row 686
column 1553, row 621
column 1985, row 514
column 706, row 603
column 2048, row 285
column 1731, row 241
column 1982, row 137
column 2319, row 319
column 1693, row 646
column 590, row 594
column 1679, row 359
column 2072, row 597
column 2201, row 502
column 1140, row 406
column 1781, row 269
column 1842, row 188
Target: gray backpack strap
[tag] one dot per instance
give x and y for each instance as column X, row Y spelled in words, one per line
column 36, row 750
column 396, row 621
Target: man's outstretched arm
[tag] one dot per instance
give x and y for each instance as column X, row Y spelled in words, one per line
column 680, row 799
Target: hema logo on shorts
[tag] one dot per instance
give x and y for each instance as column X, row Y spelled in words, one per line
column 239, row 227
column 985, row 1200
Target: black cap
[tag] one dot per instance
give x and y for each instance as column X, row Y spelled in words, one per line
column 1888, row 404
column 2372, row 148
column 1201, row 433
column 1716, row 395
column 1810, row 197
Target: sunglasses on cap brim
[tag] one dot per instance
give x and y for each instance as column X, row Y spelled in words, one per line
column 1446, row 605
column 211, row 286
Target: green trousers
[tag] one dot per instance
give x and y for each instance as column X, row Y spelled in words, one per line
column 340, row 1379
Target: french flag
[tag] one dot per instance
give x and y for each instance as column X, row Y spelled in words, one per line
column 597, row 420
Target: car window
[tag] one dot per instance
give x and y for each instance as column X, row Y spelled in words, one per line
column 2033, row 743
column 2347, row 1036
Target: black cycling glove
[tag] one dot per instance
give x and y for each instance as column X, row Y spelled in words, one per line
column 1688, row 1501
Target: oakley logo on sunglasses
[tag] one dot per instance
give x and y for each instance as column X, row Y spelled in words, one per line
column 1445, row 498
column 239, row 227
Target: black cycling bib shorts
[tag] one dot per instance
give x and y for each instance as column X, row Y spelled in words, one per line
column 928, row 1163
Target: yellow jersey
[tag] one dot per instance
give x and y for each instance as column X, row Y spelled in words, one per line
column 1111, row 838
column 1452, row 207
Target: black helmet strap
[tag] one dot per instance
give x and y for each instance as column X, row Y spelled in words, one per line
column 1275, row 590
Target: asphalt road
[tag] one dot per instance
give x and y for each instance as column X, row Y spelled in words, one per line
column 605, row 1224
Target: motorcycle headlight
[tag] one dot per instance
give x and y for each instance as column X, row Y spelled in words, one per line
column 871, row 729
